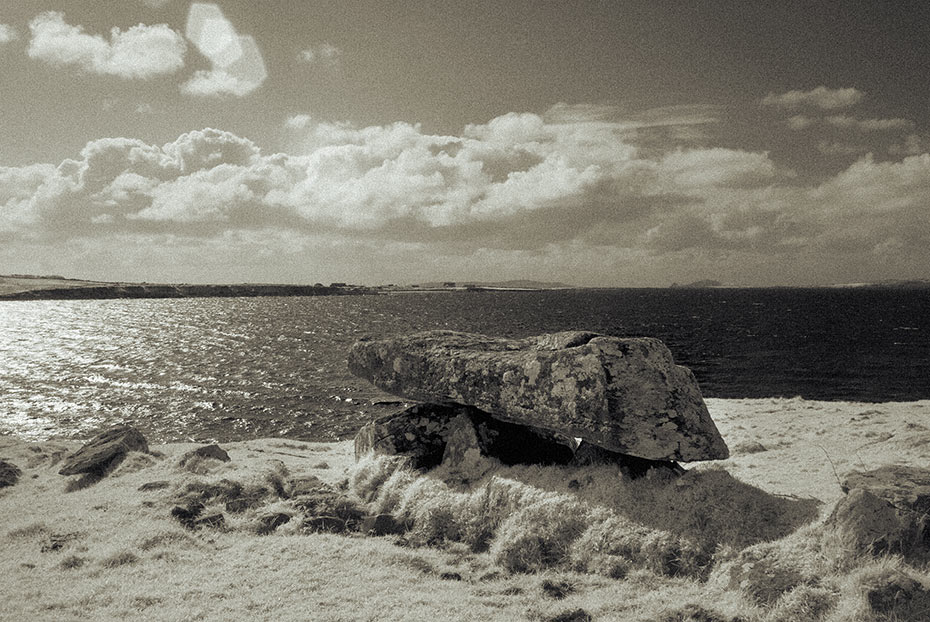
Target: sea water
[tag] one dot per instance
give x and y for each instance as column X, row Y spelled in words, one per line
column 235, row 368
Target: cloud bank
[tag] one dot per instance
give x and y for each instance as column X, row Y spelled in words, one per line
column 582, row 195
column 140, row 52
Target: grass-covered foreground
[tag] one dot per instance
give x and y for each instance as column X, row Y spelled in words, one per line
column 742, row 539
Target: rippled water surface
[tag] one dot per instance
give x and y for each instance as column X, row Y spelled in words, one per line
column 236, row 368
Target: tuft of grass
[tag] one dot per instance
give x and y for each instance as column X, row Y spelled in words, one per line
column 71, row 562
column 539, row 536
column 172, row 537
column 122, row 558
column 804, row 602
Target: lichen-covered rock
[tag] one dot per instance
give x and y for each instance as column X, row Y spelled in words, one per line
column 905, row 487
column 104, row 451
column 867, row 524
column 9, row 473
column 422, row 433
column 622, row 394
column 462, row 455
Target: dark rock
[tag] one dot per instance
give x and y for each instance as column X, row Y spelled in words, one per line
column 623, row 394
column 9, row 473
column 894, row 590
column 868, row 524
column 557, row 590
column 187, row 515
column 159, row 485
column 450, row 576
column 574, row 615
column 104, row 451
column 634, row 467
column 206, row 451
column 904, row 487
column 422, row 433
column 381, row 525
column 270, row 522
column 416, row 432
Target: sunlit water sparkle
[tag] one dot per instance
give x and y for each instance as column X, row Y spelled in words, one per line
column 235, row 368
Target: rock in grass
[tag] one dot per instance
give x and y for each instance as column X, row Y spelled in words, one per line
column 104, row 451
column 270, row 522
column 868, row 524
column 423, row 433
column 214, row 452
column 381, row 525
column 904, row 487
column 895, row 590
column 626, row 395
column 9, row 473
column 884, row 511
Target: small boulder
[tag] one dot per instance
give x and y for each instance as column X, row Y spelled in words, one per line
column 9, row 473
column 187, row 515
column 104, row 451
column 866, row 523
column 214, row 452
column 904, row 487
column 381, row 525
column 270, row 522
column 157, row 485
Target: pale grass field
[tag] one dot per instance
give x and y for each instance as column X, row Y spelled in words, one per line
column 110, row 552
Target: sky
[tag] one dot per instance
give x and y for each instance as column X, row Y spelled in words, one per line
column 596, row 143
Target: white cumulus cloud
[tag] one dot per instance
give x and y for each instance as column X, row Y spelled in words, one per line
column 139, row 52
column 238, row 67
column 821, row 97
column 7, row 34
column 322, row 54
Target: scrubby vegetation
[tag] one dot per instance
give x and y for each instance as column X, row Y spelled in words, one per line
column 296, row 541
column 771, row 553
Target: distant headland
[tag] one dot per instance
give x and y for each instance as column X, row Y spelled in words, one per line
column 55, row 287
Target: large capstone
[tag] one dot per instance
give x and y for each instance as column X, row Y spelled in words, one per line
column 622, row 394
